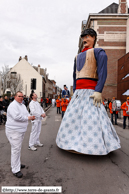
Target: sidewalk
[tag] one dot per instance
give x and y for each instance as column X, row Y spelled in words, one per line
column 47, row 107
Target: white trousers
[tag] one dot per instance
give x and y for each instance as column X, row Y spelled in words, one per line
column 15, row 138
column 35, row 133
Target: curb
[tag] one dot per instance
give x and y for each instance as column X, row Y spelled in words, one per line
column 46, row 109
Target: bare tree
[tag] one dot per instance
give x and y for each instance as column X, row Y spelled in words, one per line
column 11, row 80
column 4, row 75
column 16, row 83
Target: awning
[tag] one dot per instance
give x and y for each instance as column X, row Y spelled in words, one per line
column 126, row 93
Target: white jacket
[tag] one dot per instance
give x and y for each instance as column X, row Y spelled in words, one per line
column 36, row 110
column 17, row 117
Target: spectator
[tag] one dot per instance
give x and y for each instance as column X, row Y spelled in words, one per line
column 25, row 100
column 1, row 109
column 64, row 105
column 65, row 93
column 58, row 105
column 42, row 101
column 16, row 126
column 5, row 103
column 125, row 108
column 39, row 114
column 11, row 98
column 105, row 103
column 112, row 108
column 53, row 102
column 47, row 102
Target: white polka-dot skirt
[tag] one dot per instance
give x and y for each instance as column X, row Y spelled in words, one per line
column 85, row 128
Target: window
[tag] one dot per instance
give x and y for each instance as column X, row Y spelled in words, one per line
column 33, row 84
column 13, row 75
column 8, row 84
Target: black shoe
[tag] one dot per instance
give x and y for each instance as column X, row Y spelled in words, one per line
column 22, row 166
column 18, row 174
column 116, row 124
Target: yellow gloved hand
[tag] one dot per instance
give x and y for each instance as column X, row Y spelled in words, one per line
column 97, row 97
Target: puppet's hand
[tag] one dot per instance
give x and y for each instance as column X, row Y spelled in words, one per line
column 97, row 97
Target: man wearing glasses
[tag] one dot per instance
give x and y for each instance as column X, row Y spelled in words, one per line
column 16, row 126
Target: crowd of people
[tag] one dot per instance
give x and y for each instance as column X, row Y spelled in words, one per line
column 62, row 103
column 114, row 106
column 4, row 103
column 6, row 100
column 45, row 102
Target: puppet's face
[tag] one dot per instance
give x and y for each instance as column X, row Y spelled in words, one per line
column 88, row 41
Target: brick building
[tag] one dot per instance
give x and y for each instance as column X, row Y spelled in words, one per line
column 111, row 25
column 123, row 77
column 54, row 88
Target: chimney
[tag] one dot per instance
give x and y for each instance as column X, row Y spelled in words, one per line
column 26, row 58
column 39, row 69
column 122, row 8
column 20, row 58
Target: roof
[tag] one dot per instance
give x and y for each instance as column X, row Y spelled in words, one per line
column 41, row 70
column 110, row 9
column 113, row 8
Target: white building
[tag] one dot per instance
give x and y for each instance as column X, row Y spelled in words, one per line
column 32, row 80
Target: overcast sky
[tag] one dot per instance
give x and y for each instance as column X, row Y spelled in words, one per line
column 46, row 31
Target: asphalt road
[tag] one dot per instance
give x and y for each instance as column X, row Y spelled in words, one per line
column 77, row 174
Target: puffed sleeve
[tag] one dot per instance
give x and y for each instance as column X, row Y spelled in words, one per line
column 101, row 59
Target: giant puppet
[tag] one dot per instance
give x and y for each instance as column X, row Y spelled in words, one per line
column 86, row 127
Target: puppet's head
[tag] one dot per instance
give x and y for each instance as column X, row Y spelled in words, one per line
column 89, row 37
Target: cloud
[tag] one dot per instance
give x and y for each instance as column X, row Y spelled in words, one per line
column 47, row 31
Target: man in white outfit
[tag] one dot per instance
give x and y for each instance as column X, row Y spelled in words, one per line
column 16, row 126
column 53, row 102
column 38, row 112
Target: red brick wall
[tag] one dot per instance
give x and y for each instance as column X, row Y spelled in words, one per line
column 112, row 22
column 105, row 43
column 102, row 29
column 123, row 70
column 109, row 92
column 110, row 89
column 123, row 6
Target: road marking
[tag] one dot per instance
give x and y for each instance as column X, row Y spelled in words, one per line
column 58, row 118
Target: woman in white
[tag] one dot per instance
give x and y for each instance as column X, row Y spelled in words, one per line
column 16, row 126
column 38, row 112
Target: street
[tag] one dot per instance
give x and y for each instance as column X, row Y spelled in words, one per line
column 77, row 174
